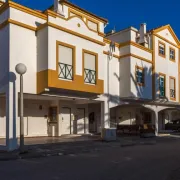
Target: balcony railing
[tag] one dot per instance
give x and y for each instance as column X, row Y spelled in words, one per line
column 90, row 76
column 65, row 71
column 172, row 93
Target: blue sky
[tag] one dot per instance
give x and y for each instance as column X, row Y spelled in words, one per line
column 125, row 13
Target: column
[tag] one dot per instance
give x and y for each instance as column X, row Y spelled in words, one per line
column 156, row 122
column 105, row 115
column 11, row 117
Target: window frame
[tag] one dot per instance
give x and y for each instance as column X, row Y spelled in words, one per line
column 76, row 14
column 160, row 42
column 171, row 48
column 59, row 43
column 171, row 98
column 93, row 21
column 161, row 74
column 96, row 64
column 141, row 68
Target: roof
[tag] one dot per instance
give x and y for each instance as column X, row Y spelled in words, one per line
column 81, row 9
column 156, row 28
column 123, row 30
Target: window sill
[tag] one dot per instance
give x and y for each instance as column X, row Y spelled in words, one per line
column 173, row 99
column 173, row 60
column 162, row 55
column 140, row 84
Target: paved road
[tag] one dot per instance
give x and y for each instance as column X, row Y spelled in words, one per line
column 160, row 161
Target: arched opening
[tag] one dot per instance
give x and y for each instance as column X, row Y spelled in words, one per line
column 129, row 118
column 169, row 120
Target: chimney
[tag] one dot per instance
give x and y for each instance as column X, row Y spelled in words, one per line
column 142, row 32
column 58, row 7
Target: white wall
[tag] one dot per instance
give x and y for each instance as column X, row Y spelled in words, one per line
column 42, row 49
column 23, row 49
column 125, row 77
column 57, row 35
column 165, row 66
column 145, row 91
column 4, row 57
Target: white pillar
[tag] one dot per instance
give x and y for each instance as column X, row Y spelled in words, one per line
column 156, row 122
column 105, row 115
column 11, row 117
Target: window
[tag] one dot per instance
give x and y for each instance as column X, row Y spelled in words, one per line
column 140, row 75
column 172, row 54
column 162, row 82
column 162, row 49
column 65, row 61
column 92, row 25
column 172, row 88
column 90, row 66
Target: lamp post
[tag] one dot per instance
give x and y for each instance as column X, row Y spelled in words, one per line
column 21, row 69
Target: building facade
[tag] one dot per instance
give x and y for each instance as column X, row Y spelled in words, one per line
column 79, row 79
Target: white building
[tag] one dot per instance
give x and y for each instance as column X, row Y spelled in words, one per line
column 73, row 84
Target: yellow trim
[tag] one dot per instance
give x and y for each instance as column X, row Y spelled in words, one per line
column 160, row 42
column 49, row 78
column 96, row 61
column 2, row 25
column 135, row 56
column 75, row 33
column 108, row 41
column 153, row 69
column 170, row 30
column 160, row 37
column 58, row 43
column 141, row 68
column 10, row 21
column 173, row 60
column 22, row 8
column 84, row 12
column 179, row 72
column 136, row 45
column 74, row 12
column 114, row 55
column 171, row 77
column 161, row 74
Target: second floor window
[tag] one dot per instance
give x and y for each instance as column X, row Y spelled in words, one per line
column 162, row 85
column 161, row 49
column 90, row 73
column 172, row 54
column 65, row 63
column 172, row 88
column 140, row 76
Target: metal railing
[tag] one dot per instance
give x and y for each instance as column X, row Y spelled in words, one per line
column 172, row 93
column 65, row 71
column 90, row 76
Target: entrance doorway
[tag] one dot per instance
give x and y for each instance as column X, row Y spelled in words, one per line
column 66, row 120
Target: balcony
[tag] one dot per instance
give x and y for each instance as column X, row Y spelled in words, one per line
column 90, row 76
column 65, row 71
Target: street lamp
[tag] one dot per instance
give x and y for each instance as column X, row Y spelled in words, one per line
column 21, row 69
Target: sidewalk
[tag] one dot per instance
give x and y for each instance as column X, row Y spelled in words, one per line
column 71, row 145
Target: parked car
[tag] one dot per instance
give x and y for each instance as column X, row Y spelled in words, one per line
column 173, row 125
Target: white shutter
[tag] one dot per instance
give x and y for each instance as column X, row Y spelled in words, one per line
column 172, row 84
column 65, row 55
column 92, row 25
column 89, row 61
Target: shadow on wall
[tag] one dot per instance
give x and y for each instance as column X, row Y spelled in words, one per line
column 142, row 92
